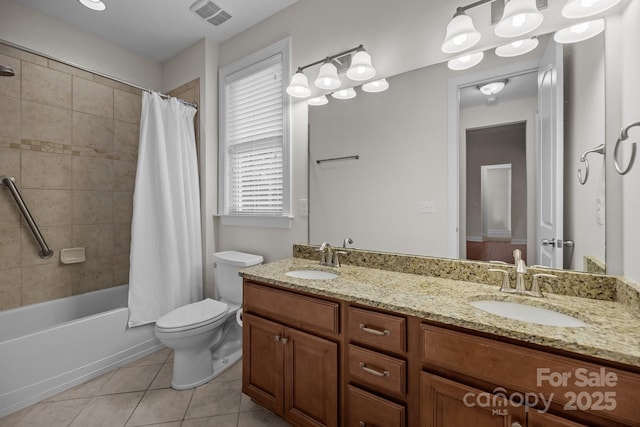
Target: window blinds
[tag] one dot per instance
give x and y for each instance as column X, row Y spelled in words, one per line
column 255, row 138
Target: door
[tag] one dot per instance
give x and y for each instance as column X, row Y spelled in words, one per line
column 550, row 153
column 446, row 403
column 495, row 188
column 262, row 362
column 310, row 380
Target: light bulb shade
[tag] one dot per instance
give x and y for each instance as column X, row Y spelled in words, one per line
column 492, row 88
column 518, row 47
column 576, row 9
column 461, row 34
column 94, row 4
column 376, row 86
column 464, row 62
column 318, row 100
column 579, row 32
column 299, row 86
column 327, row 77
column 344, row 93
column 519, row 18
column 361, row 68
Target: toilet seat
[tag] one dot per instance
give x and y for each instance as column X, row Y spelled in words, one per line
column 192, row 316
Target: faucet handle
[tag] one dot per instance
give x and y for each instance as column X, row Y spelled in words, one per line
column 535, row 286
column 336, row 259
column 506, row 287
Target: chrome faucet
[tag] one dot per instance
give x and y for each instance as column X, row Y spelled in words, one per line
column 329, row 256
column 521, row 288
column 347, row 241
column 521, row 270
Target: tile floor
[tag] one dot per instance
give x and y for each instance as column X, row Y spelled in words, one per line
column 139, row 394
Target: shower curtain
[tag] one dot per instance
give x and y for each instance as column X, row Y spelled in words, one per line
column 166, row 243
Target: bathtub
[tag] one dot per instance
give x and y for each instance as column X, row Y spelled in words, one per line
column 48, row 347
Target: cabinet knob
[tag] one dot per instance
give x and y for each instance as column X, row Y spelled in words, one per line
column 276, row 338
column 362, row 424
column 516, row 424
column 284, row 340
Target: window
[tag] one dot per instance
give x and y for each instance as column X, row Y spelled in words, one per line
column 254, row 139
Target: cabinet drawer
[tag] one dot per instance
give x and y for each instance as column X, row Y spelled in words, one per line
column 526, row 370
column 301, row 311
column 383, row 372
column 383, row 331
column 366, row 409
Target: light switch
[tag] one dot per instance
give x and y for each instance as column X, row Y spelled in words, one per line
column 426, row 207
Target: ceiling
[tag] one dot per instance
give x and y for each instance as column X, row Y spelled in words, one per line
column 157, row 29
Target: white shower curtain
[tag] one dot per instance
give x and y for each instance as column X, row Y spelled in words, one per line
column 166, row 243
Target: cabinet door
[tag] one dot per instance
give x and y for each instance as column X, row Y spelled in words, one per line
column 262, row 362
column 445, row 403
column 310, row 380
column 537, row 419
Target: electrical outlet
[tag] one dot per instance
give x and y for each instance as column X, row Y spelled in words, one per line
column 304, row 207
column 426, row 207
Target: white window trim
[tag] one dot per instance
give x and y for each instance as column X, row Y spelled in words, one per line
column 271, row 221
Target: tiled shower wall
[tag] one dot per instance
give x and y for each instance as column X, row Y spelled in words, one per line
column 70, row 139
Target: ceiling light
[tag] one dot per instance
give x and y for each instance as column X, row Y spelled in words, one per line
column 492, row 88
column 518, row 47
column 579, row 32
column 361, row 68
column 575, row 9
column 519, row 18
column 344, row 93
column 327, row 77
column 465, row 61
column 299, row 86
column 461, row 34
column 94, row 4
column 376, row 86
column 318, row 100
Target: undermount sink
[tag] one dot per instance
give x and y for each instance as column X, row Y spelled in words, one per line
column 528, row 313
column 311, row 274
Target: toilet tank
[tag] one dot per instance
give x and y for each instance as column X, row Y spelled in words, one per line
column 225, row 273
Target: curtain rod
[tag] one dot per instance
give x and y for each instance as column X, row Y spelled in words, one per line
column 71, row 64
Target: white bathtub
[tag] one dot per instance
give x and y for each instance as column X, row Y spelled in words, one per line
column 48, row 347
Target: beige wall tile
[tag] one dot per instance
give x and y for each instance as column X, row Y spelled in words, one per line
column 10, row 288
column 10, row 117
column 93, row 131
column 45, row 282
column 96, row 239
column 112, row 83
column 91, row 97
column 68, row 69
column 46, row 170
column 124, row 175
column 126, row 140
column 57, row 238
column 121, row 269
column 10, row 163
column 21, row 54
column 10, row 86
column 93, row 275
column 9, row 248
column 93, row 207
column 122, row 207
column 48, row 207
column 45, row 123
column 46, row 86
column 127, row 106
column 10, row 166
column 121, row 238
column 90, row 173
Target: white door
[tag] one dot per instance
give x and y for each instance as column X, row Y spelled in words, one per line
column 549, row 158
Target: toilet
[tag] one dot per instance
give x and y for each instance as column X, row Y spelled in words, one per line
column 206, row 336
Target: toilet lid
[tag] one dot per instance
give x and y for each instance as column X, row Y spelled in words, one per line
column 193, row 315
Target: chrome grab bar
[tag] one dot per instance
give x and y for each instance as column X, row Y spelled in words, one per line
column 624, row 134
column 600, row 149
column 9, row 181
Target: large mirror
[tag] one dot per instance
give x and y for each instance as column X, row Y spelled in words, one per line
column 434, row 167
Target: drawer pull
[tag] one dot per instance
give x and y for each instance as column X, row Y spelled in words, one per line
column 375, row 372
column 516, row 424
column 364, row 328
column 362, row 424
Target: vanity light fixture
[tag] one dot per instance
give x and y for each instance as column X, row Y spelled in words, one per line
column 376, row 86
column 359, row 69
column 518, row 47
column 318, row 100
column 464, row 62
column 461, row 34
column 519, row 18
column 579, row 32
column 344, row 93
column 94, row 4
column 576, row 9
column 492, row 88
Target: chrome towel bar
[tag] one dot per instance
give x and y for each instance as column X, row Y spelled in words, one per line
column 600, row 150
column 624, row 134
column 356, row 157
column 9, row 181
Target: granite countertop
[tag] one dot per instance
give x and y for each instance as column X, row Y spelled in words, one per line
column 613, row 331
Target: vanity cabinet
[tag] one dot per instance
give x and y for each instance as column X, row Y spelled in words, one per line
column 286, row 370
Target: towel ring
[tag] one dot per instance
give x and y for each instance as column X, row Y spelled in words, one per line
column 624, row 134
column 600, row 149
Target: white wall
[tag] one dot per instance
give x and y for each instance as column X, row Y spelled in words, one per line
column 33, row 30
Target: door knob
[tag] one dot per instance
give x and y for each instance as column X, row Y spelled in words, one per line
column 549, row 242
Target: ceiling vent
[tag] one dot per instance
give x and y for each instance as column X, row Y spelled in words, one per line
column 211, row 12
